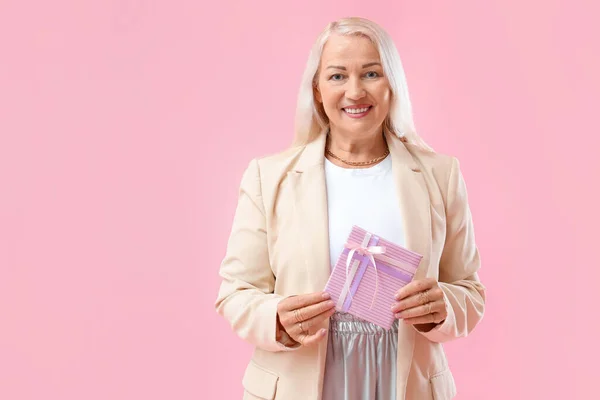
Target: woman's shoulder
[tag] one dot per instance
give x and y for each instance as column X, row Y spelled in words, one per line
column 437, row 167
column 272, row 167
column 430, row 159
column 280, row 158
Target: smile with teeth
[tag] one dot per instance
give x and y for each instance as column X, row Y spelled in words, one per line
column 356, row 110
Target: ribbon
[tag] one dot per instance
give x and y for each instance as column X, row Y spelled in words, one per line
column 365, row 250
column 369, row 253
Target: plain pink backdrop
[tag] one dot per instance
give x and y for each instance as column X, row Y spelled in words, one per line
column 124, row 130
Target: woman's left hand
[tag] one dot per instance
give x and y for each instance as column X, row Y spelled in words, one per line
column 421, row 302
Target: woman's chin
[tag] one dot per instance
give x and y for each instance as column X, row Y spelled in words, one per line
column 357, row 127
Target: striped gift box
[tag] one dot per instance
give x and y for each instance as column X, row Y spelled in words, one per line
column 367, row 291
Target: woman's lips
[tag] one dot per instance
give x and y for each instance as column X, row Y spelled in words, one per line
column 353, row 114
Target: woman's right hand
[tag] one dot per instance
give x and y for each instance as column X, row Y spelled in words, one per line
column 300, row 315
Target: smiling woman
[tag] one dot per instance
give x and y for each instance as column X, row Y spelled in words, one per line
column 357, row 160
column 351, row 85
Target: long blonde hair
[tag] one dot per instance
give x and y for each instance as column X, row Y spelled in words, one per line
column 311, row 120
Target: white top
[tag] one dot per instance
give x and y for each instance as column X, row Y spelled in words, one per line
column 366, row 197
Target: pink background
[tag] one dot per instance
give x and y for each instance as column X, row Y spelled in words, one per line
column 125, row 127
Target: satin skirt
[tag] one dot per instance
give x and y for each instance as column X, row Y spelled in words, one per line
column 361, row 360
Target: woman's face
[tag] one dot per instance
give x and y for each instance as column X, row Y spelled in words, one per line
column 351, row 86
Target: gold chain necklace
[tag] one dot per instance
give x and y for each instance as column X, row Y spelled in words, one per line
column 358, row 163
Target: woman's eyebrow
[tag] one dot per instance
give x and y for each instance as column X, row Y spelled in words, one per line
column 371, row 64
column 344, row 68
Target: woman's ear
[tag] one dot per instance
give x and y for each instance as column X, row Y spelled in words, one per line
column 317, row 93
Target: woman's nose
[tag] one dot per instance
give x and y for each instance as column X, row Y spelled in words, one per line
column 355, row 90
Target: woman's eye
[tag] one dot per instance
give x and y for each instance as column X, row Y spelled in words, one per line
column 372, row 74
column 336, row 77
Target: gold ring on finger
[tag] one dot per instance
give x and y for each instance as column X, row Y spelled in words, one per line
column 297, row 316
column 301, row 328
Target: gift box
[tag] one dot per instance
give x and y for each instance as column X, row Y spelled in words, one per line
column 368, row 274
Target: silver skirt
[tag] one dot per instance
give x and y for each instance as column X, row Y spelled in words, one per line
column 361, row 360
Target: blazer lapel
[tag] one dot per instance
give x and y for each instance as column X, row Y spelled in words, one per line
column 414, row 202
column 310, row 205
column 416, row 215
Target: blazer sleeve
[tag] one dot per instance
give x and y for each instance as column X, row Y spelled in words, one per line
column 459, row 263
column 246, row 297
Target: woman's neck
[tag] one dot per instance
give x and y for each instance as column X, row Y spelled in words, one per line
column 355, row 149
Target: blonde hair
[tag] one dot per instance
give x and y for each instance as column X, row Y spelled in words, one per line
column 311, row 120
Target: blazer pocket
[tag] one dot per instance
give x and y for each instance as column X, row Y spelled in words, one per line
column 259, row 382
column 442, row 385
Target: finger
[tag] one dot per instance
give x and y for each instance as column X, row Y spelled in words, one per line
column 435, row 318
column 303, row 334
column 434, row 307
column 311, row 311
column 290, row 318
column 312, row 323
column 417, row 299
column 304, row 300
column 419, row 285
column 297, row 329
column 309, row 340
